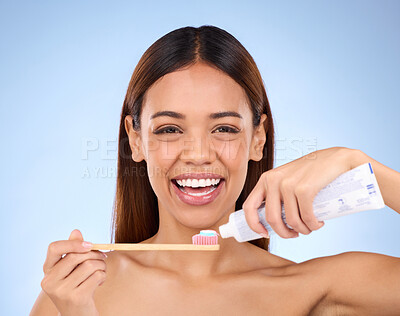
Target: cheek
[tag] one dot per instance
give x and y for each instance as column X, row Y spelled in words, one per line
column 163, row 151
column 161, row 154
column 233, row 153
column 160, row 158
column 235, row 158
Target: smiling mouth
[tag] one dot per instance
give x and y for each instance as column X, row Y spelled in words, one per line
column 199, row 191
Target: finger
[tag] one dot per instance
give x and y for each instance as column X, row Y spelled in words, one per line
column 84, row 271
column 273, row 211
column 92, row 282
column 71, row 261
column 251, row 205
column 305, row 197
column 76, row 235
column 291, row 208
column 58, row 248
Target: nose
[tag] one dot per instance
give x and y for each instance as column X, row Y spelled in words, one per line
column 197, row 149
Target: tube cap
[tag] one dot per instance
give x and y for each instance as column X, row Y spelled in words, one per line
column 226, row 230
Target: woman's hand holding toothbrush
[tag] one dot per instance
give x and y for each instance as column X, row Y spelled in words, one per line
column 71, row 281
column 296, row 184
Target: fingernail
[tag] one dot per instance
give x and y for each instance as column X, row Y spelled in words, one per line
column 264, row 235
column 87, row 244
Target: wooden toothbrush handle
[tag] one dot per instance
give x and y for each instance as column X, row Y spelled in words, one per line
column 137, row 246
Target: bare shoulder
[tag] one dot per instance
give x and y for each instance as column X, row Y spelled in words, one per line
column 319, row 275
column 312, row 284
column 351, row 283
column 355, row 283
column 43, row 306
column 294, row 288
column 365, row 283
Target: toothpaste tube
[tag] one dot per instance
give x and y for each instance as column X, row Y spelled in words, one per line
column 353, row 191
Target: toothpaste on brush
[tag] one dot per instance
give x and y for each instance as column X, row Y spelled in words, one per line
column 353, row 191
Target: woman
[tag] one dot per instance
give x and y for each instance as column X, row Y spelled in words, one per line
column 196, row 108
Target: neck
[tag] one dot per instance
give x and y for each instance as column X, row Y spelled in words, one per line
column 231, row 256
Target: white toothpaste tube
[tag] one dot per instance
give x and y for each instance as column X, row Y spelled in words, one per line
column 353, row 191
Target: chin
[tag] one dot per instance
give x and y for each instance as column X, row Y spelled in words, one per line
column 195, row 220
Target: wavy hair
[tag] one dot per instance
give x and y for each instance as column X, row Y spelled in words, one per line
column 135, row 211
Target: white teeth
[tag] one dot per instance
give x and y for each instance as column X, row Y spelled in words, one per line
column 204, row 193
column 195, row 183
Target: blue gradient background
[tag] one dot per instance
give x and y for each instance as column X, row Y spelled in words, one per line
column 331, row 70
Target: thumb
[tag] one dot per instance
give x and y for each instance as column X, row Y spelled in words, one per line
column 76, row 235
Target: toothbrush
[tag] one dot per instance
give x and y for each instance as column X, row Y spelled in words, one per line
column 206, row 240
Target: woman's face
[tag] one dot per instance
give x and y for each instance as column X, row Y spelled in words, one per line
column 181, row 133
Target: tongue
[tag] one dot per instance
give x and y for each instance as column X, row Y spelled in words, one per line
column 196, row 190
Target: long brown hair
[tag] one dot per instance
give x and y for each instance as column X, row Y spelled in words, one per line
column 135, row 214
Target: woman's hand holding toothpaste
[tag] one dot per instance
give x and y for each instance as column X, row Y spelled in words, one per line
column 296, row 184
column 70, row 281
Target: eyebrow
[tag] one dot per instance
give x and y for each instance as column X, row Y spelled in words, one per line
column 181, row 116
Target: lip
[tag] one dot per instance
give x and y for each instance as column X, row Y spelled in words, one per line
column 198, row 200
column 204, row 175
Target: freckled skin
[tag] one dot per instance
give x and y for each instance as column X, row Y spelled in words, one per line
column 197, row 144
column 196, row 92
column 240, row 278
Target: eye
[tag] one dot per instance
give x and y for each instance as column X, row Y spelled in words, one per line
column 167, row 130
column 174, row 130
column 227, row 129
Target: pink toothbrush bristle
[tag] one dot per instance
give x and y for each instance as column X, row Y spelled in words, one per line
column 202, row 239
column 205, row 240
